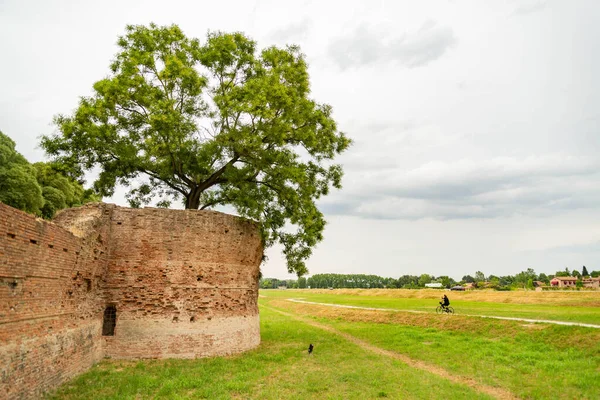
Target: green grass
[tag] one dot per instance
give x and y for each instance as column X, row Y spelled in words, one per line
column 589, row 315
column 526, row 364
column 530, row 361
column 279, row 369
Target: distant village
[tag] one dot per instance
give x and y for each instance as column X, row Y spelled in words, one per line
column 529, row 280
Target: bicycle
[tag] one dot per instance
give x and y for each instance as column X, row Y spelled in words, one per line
column 442, row 310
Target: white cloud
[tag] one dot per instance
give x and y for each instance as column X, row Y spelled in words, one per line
column 291, row 33
column 530, row 7
column 504, row 186
column 367, row 46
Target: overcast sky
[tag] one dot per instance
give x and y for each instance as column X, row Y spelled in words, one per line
column 476, row 123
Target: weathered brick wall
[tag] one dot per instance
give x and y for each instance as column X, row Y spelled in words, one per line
column 184, row 284
column 49, row 303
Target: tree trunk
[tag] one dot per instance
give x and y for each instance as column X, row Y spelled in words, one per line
column 192, row 201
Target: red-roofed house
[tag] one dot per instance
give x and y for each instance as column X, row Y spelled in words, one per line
column 564, row 281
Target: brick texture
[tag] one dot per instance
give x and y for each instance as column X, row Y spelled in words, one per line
column 184, row 285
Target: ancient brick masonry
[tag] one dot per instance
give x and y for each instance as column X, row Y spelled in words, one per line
column 181, row 283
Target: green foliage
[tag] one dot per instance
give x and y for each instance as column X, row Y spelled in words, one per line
column 424, row 279
column 39, row 188
column 266, row 284
column 584, row 271
column 576, row 273
column 479, row 276
column 210, row 124
column 302, row 282
column 446, row 281
column 18, row 185
column 544, row 278
column 563, row 273
column 530, row 284
column 324, row 281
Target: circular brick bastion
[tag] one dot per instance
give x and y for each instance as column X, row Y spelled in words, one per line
column 174, row 283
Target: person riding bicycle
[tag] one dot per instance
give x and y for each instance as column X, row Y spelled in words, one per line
column 445, row 302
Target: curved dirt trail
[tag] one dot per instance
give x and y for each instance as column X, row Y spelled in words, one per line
column 534, row 321
column 495, row 392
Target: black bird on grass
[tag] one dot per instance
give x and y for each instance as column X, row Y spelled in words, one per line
column 310, row 348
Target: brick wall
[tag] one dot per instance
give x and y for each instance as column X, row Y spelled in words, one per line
column 49, row 326
column 184, row 284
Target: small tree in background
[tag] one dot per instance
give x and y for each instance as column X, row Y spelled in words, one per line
column 424, row 279
column 584, row 271
column 479, row 277
column 302, row 282
column 530, row 284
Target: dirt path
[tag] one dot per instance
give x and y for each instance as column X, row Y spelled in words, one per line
column 533, row 321
column 495, row 392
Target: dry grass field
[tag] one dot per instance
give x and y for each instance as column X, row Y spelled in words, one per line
column 583, row 298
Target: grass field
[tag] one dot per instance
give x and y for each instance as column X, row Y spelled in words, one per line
column 365, row 354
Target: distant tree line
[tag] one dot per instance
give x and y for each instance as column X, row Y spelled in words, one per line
column 524, row 279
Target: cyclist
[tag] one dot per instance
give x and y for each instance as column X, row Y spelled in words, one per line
column 445, row 302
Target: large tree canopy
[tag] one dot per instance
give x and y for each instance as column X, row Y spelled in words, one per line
column 41, row 188
column 210, row 124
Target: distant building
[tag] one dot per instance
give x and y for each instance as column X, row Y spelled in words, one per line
column 433, row 285
column 591, row 282
column 571, row 281
column 564, row 281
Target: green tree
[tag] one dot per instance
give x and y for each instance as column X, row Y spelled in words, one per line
column 18, row 185
column 595, row 274
column 576, row 273
column 302, row 282
column 566, row 272
column 212, row 124
column 467, row 279
column 446, row 281
column 60, row 191
column 494, row 281
column 40, row 188
column 479, row 276
column 266, row 284
column 544, row 278
column 584, row 271
column 423, row 279
column 530, row 284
